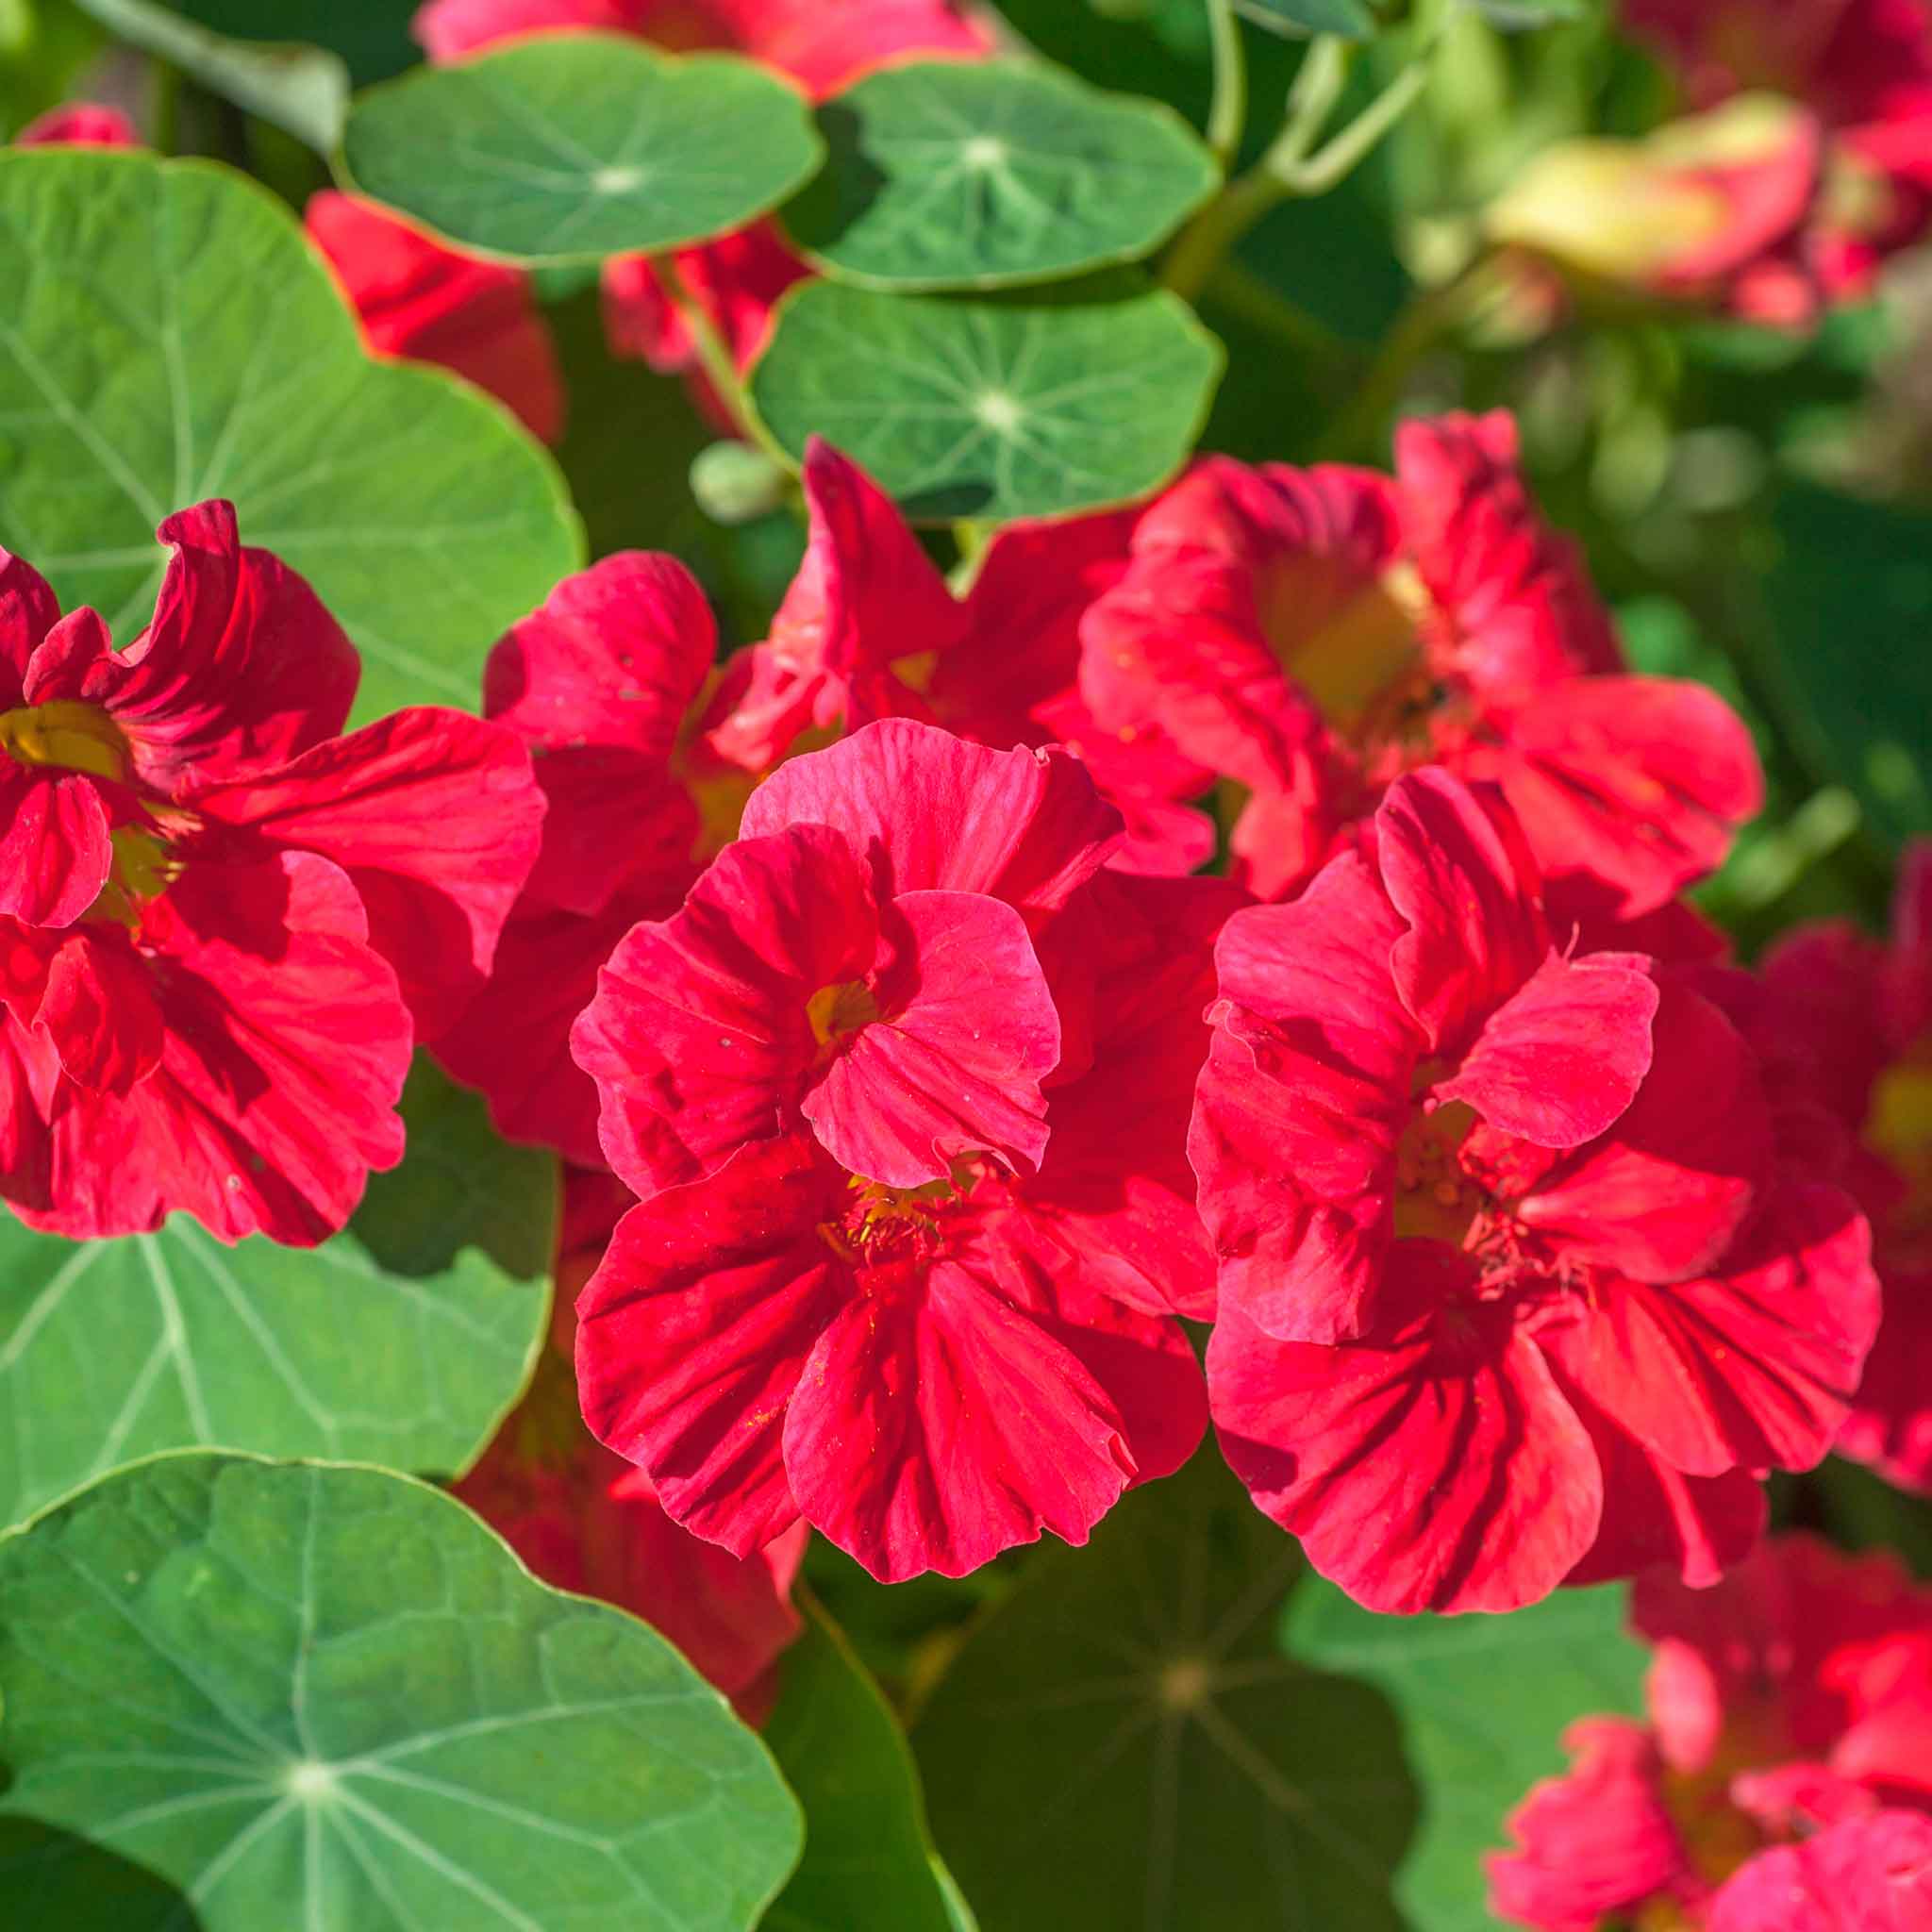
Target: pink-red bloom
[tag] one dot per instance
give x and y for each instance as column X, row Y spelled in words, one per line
column 1845, row 1025
column 419, row 300
column 869, row 629
column 1512, row 1289
column 1858, row 74
column 79, row 124
column 1311, row 635
column 222, row 922
column 862, row 959
column 932, row 1375
column 1783, row 1780
column 597, row 683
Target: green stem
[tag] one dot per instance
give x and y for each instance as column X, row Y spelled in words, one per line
column 1227, row 113
column 714, row 356
column 1323, row 170
column 1249, row 196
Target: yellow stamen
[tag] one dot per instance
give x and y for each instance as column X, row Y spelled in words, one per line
column 65, row 736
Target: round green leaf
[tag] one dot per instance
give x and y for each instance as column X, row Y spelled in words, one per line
column 570, row 147
column 1121, row 1743
column 991, row 408
column 403, row 1341
column 330, row 1697
column 171, row 337
column 1484, row 1704
column 950, row 174
column 868, row 1864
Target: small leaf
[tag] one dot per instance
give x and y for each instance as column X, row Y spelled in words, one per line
column 570, row 147
column 1121, row 1743
column 868, row 1864
column 1350, row 19
column 991, row 408
column 403, row 1341
column 947, row 173
column 302, row 90
column 172, row 336
column 1484, row 1702
column 330, row 1697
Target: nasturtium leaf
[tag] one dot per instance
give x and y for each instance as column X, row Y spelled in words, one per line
column 569, row 147
column 403, row 1341
column 1122, row 1743
column 330, row 1697
column 1854, row 677
column 1484, row 1702
column 1348, row 19
column 302, row 90
column 950, row 174
column 992, row 408
column 170, row 337
column 868, row 1864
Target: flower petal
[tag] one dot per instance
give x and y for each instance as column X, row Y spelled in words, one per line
column 54, row 854
column 1432, row 1467
column 1866, row 1875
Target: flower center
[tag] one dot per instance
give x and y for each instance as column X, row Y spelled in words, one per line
column 837, row 1012
column 65, row 736
column 1435, row 1199
column 1351, row 642
column 143, row 867
column 1898, row 1128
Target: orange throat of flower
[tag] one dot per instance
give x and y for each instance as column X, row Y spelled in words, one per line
column 65, row 736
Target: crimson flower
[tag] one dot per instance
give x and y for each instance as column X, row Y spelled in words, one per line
column 1858, row 73
column 223, row 925
column 597, row 682
column 869, row 629
column 419, row 300
column 1845, row 1022
column 1783, row 1780
column 861, row 956
column 79, row 124
column 1508, row 1294
column 931, row 1375
column 1311, row 634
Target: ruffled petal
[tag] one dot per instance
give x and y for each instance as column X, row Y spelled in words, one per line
column 1867, row 1875
column 693, row 1332
column 931, row 812
column 700, row 1037
column 55, row 853
column 1300, row 1105
column 1563, row 1056
column 967, row 1031
column 101, row 1014
column 437, row 818
column 1435, row 1466
column 936, row 1427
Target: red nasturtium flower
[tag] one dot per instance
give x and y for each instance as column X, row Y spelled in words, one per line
column 1783, row 1782
column 929, row 1374
column 1844, row 1023
column 222, row 923
column 596, row 682
column 79, row 124
column 862, row 959
column 1510, row 1290
column 1311, row 634
column 869, row 629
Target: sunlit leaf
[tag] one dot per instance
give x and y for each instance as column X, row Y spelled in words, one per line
column 947, row 173
column 171, row 337
column 403, row 1342
column 569, row 147
column 330, row 1697
column 994, row 408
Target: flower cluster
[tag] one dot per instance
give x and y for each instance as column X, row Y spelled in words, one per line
column 1783, row 1780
